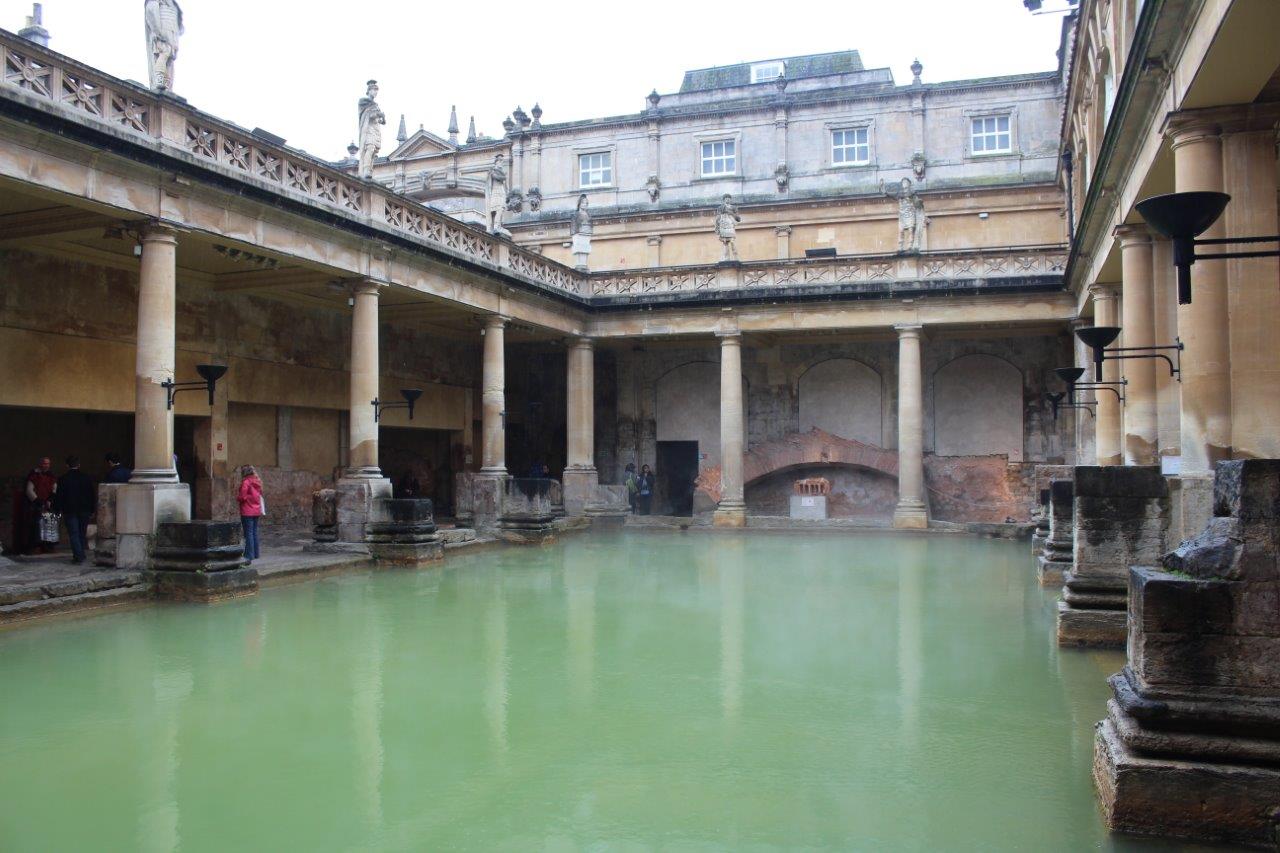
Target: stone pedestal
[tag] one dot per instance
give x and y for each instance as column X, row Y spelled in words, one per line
column 1191, row 743
column 477, row 500
column 608, row 506
column 140, row 509
column 1121, row 519
column 526, row 515
column 201, row 561
column 354, row 502
column 579, row 489
column 324, row 515
column 402, row 531
column 104, row 541
column 1059, row 547
column 1040, row 522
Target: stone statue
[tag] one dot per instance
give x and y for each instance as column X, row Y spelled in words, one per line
column 371, row 119
column 911, row 220
column 727, row 220
column 580, row 230
column 164, row 26
column 496, row 193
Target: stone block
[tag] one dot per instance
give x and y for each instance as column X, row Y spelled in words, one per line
column 1091, row 628
column 104, row 543
column 324, row 515
column 205, row 587
column 1120, row 481
column 140, row 509
column 198, row 546
column 580, row 486
column 1248, row 489
column 402, row 531
column 526, row 515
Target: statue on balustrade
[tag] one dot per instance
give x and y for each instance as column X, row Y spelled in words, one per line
column 164, row 26
column 496, row 194
column 727, row 220
column 580, row 230
column 911, row 219
column 371, row 120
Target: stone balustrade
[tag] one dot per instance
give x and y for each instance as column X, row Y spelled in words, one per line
column 128, row 111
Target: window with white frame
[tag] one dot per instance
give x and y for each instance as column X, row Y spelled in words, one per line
column 595, row 170
column 991, row 135
column 719, row 157
column 762, row 72
column 851, row 146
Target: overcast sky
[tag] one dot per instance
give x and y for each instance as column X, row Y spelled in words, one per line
column 297, row 68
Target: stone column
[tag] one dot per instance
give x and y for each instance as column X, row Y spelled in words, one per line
column 1107, row 425
column 732, row 511
column 912, row 511
column 1249, row 175
column 157, row 305
column 1059, row 548
column 1168, row 388
column 493, row 454
column 580, row 476
column 1202, row 325
column 783, row 233
column 1141, row 431
column 654, row 257
column 153, row 496
column 364, row 384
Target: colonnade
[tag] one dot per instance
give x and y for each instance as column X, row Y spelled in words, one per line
column 154, row 444
column 1228, row 399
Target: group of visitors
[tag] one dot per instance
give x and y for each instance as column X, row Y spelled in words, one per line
column 44, row 497
column 73, row 496
column 639, row 488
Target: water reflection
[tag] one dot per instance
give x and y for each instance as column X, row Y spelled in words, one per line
column 728, row 555
column 497, row 669
column 580, row 572
column 911, row 564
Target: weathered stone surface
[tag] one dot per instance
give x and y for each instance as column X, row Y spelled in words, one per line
column 198, row 546
column 1191, row 743
column 527, row 515
column 1090, row 627
column 324, row 515
column 402, row 531
column 1058, row 554
column 104, row 542
column 205, row 587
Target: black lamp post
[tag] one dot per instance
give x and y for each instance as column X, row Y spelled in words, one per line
column 1182, row 217
column 1071, row 376
column 1097, row 338
column 410, row 395
column 209, row 376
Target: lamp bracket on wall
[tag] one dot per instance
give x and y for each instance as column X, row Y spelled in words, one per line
column 1055, row 400
column 1097, row 338
column 209, row 376
column 410, row 395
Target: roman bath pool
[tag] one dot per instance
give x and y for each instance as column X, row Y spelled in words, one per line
column 673, row 691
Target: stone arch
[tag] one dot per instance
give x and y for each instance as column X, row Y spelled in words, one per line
column 816, row 448
column 978, row 407
column 687, row 407
column 844, row 397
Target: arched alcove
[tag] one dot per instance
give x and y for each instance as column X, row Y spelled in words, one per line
column 843, row 397
column 977, row 407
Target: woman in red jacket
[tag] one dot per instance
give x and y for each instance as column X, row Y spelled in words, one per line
column 252, row 508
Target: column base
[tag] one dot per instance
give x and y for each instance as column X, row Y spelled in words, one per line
column 910, row 516
column 201, row 561
column 403, row 532
column 140, row 510
column 579, row 488
column 153, row 475
column 1092, row 628
column 354, row 503
column 1051, row 572
column 730, row 514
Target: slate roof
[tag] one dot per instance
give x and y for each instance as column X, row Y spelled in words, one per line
column 813, row 65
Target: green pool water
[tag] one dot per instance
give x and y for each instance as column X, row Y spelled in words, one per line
column 666, row 691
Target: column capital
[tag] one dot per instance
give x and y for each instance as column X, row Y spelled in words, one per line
column 782, row 230
column 1103, row 292
column 154, row 231
column 1132, row 234
column 581, row 343
column 496, row 321
column 365, row 286
column 654, row 239
column 908, row 330
column 731, row 336
column 1190, row 126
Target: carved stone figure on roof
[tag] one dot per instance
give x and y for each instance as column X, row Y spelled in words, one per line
column 727, row 220
column 496, row 193
column 911, row 219
column 580, row 230
column 164, row 26
column 371, row 120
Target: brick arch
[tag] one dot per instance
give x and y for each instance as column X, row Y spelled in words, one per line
column 816, row 448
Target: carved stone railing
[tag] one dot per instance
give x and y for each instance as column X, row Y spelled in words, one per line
column 97, row 98
column 970, row 269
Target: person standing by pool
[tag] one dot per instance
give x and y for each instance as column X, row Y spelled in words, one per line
column 38, row 493
column 252, row 508
column 633, row 486
column 76, row 500
column 646, row 489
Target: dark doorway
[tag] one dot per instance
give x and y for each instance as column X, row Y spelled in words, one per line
column 677, row 470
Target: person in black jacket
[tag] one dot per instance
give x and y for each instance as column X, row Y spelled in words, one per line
column 116, row 473
column 76, row 500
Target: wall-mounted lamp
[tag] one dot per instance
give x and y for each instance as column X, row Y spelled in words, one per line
column 410, row 395
column 209, row 376
column 1182, row 217
column 1071, row 376
column 1055, row 401
column 1097, row 338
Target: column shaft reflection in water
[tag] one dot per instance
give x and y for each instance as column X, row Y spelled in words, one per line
column 580, row 570
column 912, row 567
column 729, row 560
column 498, row 671
column 366, row 714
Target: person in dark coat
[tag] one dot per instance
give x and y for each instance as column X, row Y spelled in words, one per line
column 76, row 500
column 116, row 473
column 646, row 489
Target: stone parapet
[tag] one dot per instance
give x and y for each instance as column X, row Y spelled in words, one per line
column 1120, row 518
column 1191, row 743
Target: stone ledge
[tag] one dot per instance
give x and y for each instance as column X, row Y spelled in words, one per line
column 1101, row 629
